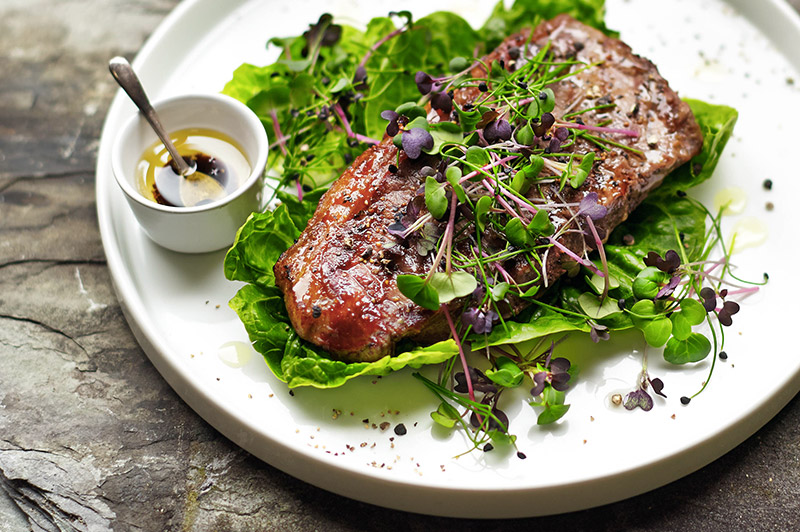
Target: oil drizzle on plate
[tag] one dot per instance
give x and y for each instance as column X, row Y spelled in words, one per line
column 235, row 354
column 730, row 200
column 748, row 232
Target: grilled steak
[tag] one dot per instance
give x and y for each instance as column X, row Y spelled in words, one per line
column 339, row 279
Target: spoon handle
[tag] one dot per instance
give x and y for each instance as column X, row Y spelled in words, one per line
column 129, row 81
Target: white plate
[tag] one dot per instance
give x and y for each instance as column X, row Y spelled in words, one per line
column 177, row 304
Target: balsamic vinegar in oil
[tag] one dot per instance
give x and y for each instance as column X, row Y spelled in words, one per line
column 215, row 154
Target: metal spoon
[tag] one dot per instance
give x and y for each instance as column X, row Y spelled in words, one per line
column 182, row 192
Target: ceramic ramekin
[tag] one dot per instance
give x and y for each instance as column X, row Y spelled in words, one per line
column 207, row 227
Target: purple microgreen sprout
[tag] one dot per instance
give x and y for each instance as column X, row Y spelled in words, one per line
column 442, row 101
column 323, row 33
column 559, row 136
column 729, row 308
column 424, row 82
column 640, row 398
column 559, row 376
column 397, row 228
column 709, row 299
column 669, row 288
column 543, row 126
column 590, row 206
column 657, row 385
column 668, row 264
column 480, row 320
column 392, row 128
column 360, row 76
column 598, row 332
column 497, row 131
column 415, row 140
column 555, row 372
column 480, row 382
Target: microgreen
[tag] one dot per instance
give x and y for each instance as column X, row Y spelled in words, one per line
column 419, row 291
column 481, row 321
column 506, row 374
column 453, row 285
column 497, row 131
column 435, row 198
column 640, row 398
column 693, row 348
column 415, row 140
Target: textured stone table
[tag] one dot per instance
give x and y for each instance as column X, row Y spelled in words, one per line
column 91, row 435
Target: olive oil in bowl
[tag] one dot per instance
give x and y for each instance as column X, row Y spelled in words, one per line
column 215, row 155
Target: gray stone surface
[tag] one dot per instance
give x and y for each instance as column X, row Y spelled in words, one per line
column 91, row 437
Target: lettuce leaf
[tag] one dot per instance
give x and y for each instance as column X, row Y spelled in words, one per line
column 259, row 304
column 305, row 365
column 299, row 363
column 428, row 46
column 528, row 13
column 258, row 245
column 541, row 322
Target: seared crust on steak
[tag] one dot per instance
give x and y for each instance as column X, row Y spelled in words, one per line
column 339, row 279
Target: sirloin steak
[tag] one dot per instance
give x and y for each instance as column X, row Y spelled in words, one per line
column 339, row 279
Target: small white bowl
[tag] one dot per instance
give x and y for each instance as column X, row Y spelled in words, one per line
column 208, row 227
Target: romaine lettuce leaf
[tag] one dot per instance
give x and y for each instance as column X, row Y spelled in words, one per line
column 258, row 245
column 260, row 306
column 528, row 13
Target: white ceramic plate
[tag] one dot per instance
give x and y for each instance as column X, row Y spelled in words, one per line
column 177, row 304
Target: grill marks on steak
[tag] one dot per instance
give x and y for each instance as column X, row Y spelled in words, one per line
column 339, row 280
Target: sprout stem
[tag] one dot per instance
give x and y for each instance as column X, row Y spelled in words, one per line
column 461, row 354
column 604, row 262
column 380, row 43
column 626, row 132
column 346, row 123
column 482, row 170
column 573, row 256
column 277, row 128
column 451, row 223
column 505, row 204
column 422, row 220
column 444, row 247
column 515, row 199
column 746, row 291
